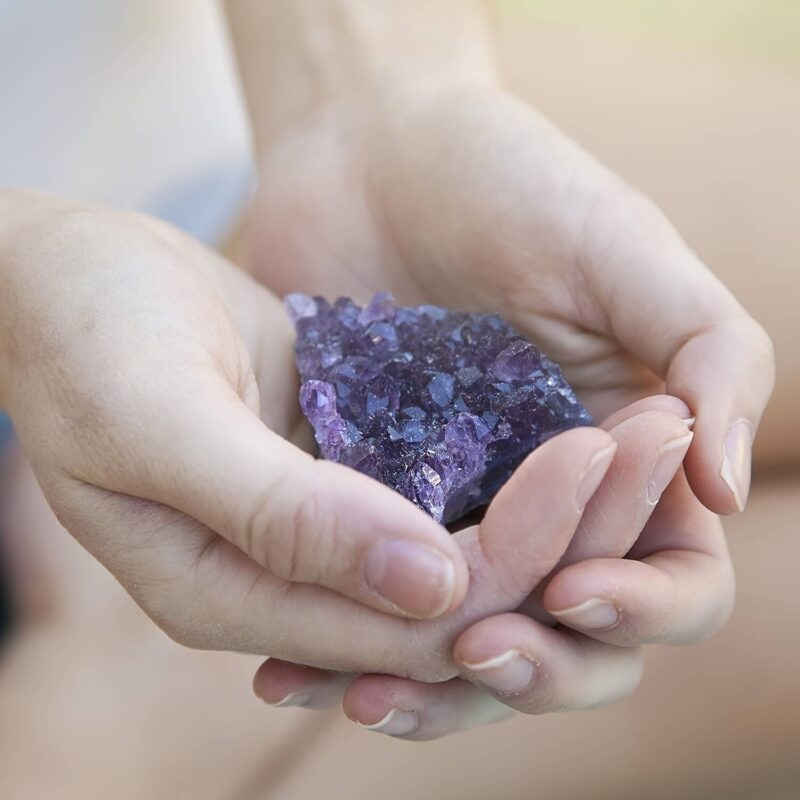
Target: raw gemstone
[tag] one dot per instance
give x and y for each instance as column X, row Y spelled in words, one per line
column 440, row 405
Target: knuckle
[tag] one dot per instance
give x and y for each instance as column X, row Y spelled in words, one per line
column 311, row 539
column 295, row 546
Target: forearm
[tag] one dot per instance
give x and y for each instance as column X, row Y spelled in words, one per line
column 303, row 60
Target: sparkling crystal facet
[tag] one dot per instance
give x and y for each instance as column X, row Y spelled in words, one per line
column 440, row 405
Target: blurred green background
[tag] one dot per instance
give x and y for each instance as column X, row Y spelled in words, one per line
column 766, row 28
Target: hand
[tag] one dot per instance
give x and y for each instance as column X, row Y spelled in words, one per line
column 131, row 363
column 392, row 158
column 675, row 587
column 470, row 199
column 137, row 367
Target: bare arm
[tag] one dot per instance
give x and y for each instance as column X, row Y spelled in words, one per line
column 303, row 60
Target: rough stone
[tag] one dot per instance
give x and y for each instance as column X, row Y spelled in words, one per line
column 440, row 405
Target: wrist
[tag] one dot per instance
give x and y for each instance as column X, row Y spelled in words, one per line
column 310, row 64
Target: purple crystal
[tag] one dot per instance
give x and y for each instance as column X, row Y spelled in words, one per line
column 440, row 405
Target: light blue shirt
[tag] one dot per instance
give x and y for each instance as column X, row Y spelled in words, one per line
column 129, row 103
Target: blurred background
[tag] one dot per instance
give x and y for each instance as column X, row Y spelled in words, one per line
column 134, row 103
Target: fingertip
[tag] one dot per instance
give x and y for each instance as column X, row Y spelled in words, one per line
column 279, row 683
column 737, row 461
column 369, row 700
column 594, row 473
column 409, row 565
column 537, row 669
column 719, row 465
column 282, row 684
column 482, row 642
column 413, row 578
column 726, row 373
column 580, row 587
column 672, row 597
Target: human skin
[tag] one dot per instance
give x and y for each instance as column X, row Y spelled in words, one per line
column 391, row 157
column 153, row 389
column 152, row 386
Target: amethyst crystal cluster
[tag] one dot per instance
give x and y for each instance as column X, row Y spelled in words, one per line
column 440, row 405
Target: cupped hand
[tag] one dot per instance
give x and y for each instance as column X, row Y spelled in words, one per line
column 154, row 391
column 467, row 197
column 136, row 365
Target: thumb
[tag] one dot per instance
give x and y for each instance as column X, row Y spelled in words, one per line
column 305, row 521
column 668, row 309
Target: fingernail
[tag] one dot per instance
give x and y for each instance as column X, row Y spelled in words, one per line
column 291, row 699
column 690, row 422
column 736, row 459
column 395, row 723
column 509, row 673
column 594, row 614
column 667, row 464
column 594, row 474
column 412, row 577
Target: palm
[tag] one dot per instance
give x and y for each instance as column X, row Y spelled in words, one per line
column 473, row 203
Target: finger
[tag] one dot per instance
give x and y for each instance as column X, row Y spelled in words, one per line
column 416, row 711
column 299, row 523
column 513, row 663
column 536, row 669
column 283, row 684
column 678, row 593
column 668, row 309
column 207, row 594
column 305, row 521
column 726, row 375
column 531, row 521
column 651, row 443
column 514, row 548
column 650, row 449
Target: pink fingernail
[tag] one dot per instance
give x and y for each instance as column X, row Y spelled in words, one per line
column 594, row 614
column 594, row 474
column 667, row 464
column 396, row 723
column 509, row 673
column 736, row 461
column 291, row 699
column 412, row 577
